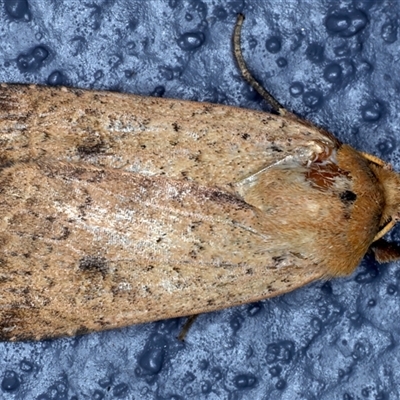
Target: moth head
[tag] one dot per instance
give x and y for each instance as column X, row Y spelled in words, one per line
column 390, row 181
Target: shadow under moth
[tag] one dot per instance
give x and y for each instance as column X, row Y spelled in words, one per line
column 120, row 209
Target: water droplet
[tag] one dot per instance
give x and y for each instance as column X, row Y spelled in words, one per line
column 273, row 44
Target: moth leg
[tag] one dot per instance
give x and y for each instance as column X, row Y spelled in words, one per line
column 385, row 252
column 188, row 324
column 237, row 51
column 385, row 229
column 376, row 160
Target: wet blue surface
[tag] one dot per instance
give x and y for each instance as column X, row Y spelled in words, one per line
column 334, row 62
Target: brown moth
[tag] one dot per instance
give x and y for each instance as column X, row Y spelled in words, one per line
column 120, row 209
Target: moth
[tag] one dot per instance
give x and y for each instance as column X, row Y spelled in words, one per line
column 120, row 209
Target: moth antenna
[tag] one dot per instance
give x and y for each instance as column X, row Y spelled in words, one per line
column 385, row 230
column 237, row 51
column 376, row 160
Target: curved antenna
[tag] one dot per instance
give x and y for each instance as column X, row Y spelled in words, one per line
column 276, row 106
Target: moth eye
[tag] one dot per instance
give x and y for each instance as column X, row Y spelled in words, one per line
column 348, row 196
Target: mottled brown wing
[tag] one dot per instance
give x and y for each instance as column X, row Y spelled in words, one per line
column 208, row 143
column 119, row 209
column 86, row 249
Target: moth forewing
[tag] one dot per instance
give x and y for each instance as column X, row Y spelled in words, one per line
column 106, row 248
column 147, row 135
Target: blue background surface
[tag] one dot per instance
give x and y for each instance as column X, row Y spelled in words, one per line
column 333, row 62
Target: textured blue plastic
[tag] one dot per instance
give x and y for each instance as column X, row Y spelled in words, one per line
column 334, row 62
